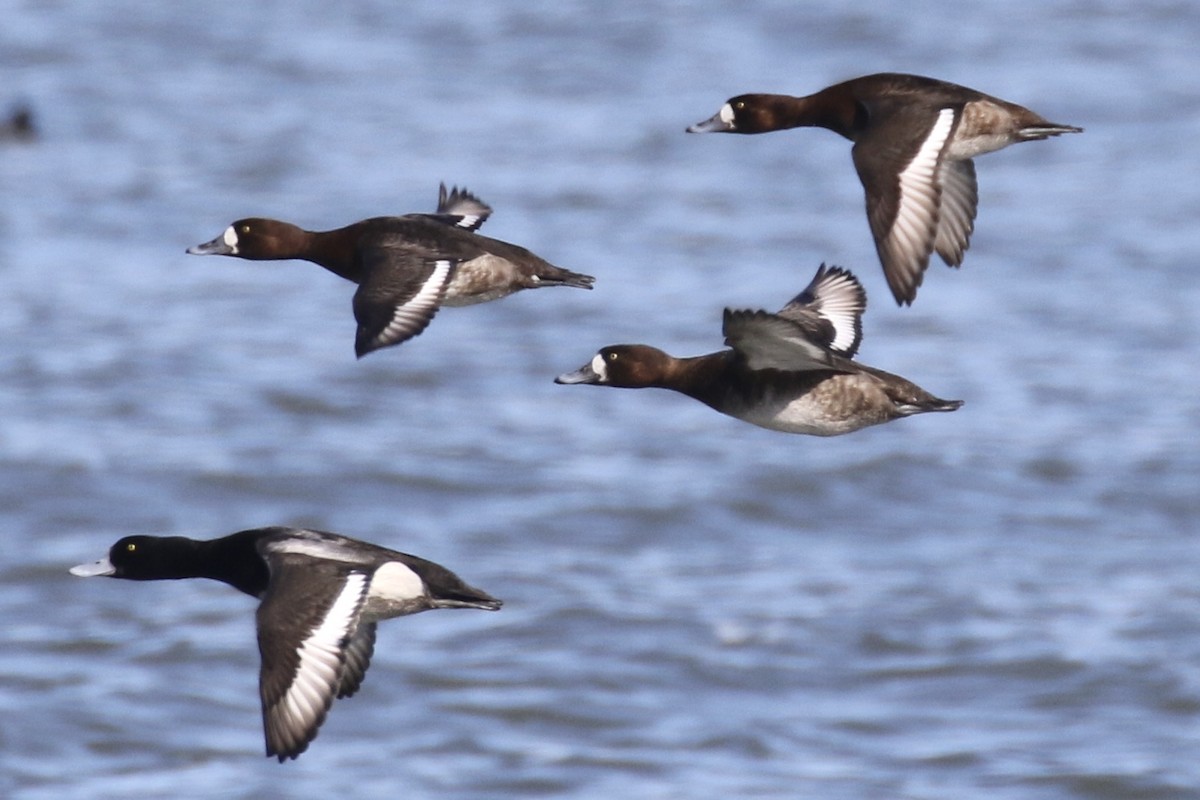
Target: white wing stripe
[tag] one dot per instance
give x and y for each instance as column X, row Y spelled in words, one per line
column 316, row 679
column 340, row 618
column 839, row 303
column 411, row 314
column 916, row 215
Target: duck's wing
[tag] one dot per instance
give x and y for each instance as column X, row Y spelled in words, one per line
column 307, row 618
column 899, row 161
column 358, row 651
column 401, row 292
column 770, row 341
column 830, row 310
column 956, row 220
column 459, row 208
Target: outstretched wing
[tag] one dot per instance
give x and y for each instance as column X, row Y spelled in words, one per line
column 359, row 650
column 399, row 296
column 899, row 163
column 309, row 614
column 769, row 341
column 960, row 199
column 830, row 310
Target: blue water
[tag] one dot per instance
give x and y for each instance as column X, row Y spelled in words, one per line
column 1000, row 602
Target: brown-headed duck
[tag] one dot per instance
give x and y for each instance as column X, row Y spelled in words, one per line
column 406, row 267
column 791, row 371
column 914, row 138
column 321, row 595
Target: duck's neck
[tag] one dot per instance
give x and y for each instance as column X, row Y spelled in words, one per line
column 699, row 376
column 834, row 109
column 336, row 251
column 231, row 559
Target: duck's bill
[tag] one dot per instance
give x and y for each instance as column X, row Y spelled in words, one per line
column 717, row 123
column 95, row 568
column 584, row 374
column 217, row 247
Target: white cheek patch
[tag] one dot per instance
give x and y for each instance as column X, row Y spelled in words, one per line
column 230, row 239
column 726, row 114
column 599, row 367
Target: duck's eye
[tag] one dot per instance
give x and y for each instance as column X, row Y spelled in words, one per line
column 131, row 547
column 611, row 356
column 739, row 105
column 245, row 229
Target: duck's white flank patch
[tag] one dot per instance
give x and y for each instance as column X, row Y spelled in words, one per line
column 396, row 581
column 230, row 239
column 726, row 115
column 599, row 368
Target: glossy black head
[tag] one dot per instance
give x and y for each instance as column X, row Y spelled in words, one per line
column 232, row 559
column 138, row 558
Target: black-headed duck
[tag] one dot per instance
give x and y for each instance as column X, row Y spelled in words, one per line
column 321, row 595
column 791, row 371
column 406, row 267
column 914, row 138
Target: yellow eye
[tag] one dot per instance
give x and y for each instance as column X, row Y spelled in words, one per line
column 612, row 356
column 245, row 229
column 131, row 547
column 739, row 105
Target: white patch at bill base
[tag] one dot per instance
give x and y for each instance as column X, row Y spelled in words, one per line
column 599, row 367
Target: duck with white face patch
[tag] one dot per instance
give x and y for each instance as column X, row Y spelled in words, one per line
column 914, row 138
column 792, row 371
column 406, row 267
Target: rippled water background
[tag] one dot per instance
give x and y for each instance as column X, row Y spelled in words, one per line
column 1002, row 602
